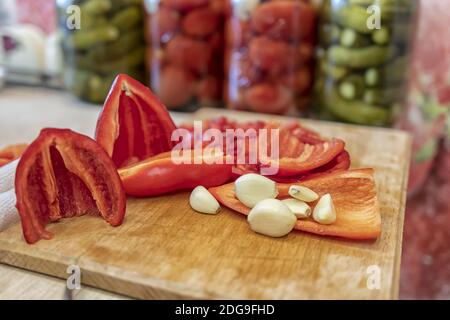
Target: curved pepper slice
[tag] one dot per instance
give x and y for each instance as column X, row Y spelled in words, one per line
column 134, row 124
column 11, row 153
column 302, row 152
column 64, row 174
column 340, row 163
column 164, row 173
column 354, row 196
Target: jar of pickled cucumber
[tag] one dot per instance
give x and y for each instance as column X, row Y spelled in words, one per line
column 100, row 39
column 185, row 51
column 269, row 55
column 362, row 59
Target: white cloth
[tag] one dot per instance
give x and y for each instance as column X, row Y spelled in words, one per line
column 8, row 211
column 7, row 176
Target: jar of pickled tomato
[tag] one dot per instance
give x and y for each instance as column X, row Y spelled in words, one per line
column 269, row 55
column 185, row 51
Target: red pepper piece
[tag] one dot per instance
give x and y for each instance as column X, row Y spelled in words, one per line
column 338, row 164
column 11, row 153
column 302, row 152
column 161, row 175
column 134, row 124
column 64, row 174
column 298, row 158
column 354, row 196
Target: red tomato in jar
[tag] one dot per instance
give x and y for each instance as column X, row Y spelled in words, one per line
column 299, row 80
column 220, row 6
column 305, row 53
column 175, row 86
column 284, row 20
column 268, row 98
column 209, row 90
column 270, row 55
column 184, row 5
column 164, row 24
column 242, row 72
column 189, row 53
column 201, row 22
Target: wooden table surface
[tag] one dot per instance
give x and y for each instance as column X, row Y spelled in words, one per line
column 23, row 112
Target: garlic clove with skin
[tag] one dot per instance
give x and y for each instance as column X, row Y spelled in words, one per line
column 272, row 218
column 301, row 209
column 303, row 193
column 325, row 212
column 201, row 200
column 252, row 188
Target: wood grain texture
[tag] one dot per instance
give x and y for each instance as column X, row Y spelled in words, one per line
column 165, row 250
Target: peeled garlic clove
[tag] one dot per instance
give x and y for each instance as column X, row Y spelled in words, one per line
column 301, row 209
column 303, row 193
column 252, row 188
column 201, row 200
column 272, row 218
column 324, row 212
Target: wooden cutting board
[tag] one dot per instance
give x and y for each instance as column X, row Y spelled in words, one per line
column 166, row 251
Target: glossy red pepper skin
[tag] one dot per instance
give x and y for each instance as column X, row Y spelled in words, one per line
column 161, row 175
column 302, row 152
column 64, row 174
column 133, row 125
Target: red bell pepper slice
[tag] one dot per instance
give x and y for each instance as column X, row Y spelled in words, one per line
column 64, row 174
column 354, row 195
column 340, row 163
column 163, row 174
column 302, row 152
column 134, row 125
column 11, row 153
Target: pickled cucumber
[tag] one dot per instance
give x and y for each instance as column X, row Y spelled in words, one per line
column 392, row 74
column 111, row 51
column 132, row 59
column 95, row 7
column 382, row 96
column 332, row 71
column 110, row 41
column 352, row 87
column 329, row 34
column 361, row 57
column 381, row 36
column 355, row 111
column 362, row 74
column 127, row 19
column 85, row 39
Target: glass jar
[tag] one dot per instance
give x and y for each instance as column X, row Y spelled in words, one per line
column 362, row 59
column 100, row 39
column 269, row 55
column 185, row 51
column 427, row 107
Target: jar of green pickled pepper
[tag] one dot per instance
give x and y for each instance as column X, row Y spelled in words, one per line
column 100, row 39
column 362, row 59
